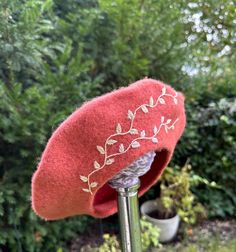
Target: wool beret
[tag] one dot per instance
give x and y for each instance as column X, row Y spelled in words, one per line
column 101, row 138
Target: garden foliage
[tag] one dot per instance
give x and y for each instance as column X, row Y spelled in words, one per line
column 54, row 55
column 149, row 238
column 176, row 195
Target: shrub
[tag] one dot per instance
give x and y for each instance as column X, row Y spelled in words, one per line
column 209, row 141
column 35, row 96
column 177, row 197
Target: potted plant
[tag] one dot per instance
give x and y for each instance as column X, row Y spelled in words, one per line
column 176, row 202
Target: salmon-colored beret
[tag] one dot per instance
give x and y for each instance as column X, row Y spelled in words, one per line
column 102, row 137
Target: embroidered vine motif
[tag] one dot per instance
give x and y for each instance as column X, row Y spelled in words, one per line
column 135, row 143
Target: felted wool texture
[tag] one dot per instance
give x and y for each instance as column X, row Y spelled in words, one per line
column 101, row 138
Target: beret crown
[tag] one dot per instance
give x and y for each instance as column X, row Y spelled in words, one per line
column 101, row 138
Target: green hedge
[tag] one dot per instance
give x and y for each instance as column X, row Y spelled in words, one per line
column 210, row 144
column 54, row 55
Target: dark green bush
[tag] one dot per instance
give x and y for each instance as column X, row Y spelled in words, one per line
column 34, row 99
column 210, row 142
column 54, row 55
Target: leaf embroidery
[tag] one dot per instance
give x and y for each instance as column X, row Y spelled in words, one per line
column 121, row 148
column 133, row 131
column 118, row 128
column 130, row 114
column 142, row 134
column 144, row 109
column 83, row 178
column 155, row 129
column 163, row 90
column 100, row 149
column 166, row 129
column 94, row 184
column 154, row 140
column 111, row 141
column 96, row 165
column 162, row 119
column 162, row 101
column 151, row 101
column 135, row 144
column 168, row 121
column 110, row 161
column 85, row 190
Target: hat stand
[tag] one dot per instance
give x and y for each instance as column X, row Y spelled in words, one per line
column 126, row 184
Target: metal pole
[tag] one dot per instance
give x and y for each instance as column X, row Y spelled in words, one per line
column 126, row 183
column 129, row 218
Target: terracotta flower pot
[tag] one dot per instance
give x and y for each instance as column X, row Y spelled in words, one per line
column 168, row 227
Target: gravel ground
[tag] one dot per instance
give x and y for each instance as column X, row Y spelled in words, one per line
column 201, row 235
column 223, row 230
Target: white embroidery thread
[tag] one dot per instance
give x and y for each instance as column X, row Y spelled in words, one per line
column 135, row 143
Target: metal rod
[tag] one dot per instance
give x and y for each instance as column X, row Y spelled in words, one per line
column 129, row 219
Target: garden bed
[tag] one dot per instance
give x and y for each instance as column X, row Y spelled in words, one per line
column 214, row 235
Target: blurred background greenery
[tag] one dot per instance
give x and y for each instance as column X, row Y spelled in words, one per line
column 56, row 54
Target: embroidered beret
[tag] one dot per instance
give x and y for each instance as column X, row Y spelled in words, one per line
column 101, row 138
